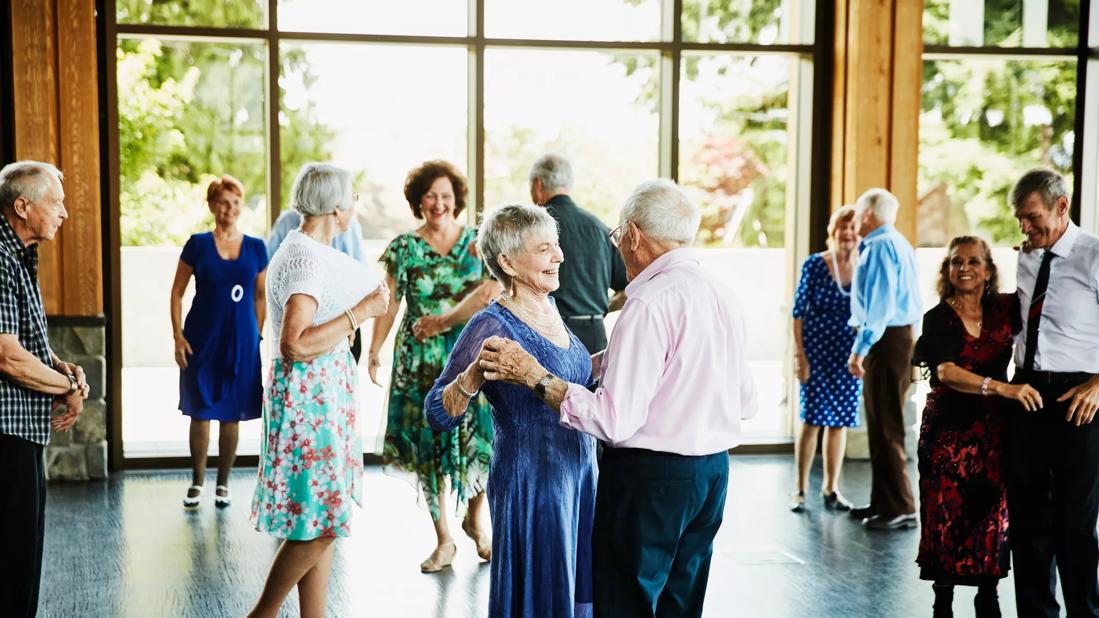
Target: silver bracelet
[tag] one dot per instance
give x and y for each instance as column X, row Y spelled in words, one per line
column 458, row 383
column 984, row 386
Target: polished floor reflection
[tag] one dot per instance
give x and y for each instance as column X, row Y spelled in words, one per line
column 127, row 548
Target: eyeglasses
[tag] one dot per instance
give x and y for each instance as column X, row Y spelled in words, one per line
column 616, row 234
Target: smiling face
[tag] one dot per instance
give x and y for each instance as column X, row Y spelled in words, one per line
column 845, row 238
column 968, row 271
column 225, row 207
column 1043, row 225
column 536, row 266
column 437, row 205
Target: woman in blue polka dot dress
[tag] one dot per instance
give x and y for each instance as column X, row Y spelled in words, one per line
column 829, row 393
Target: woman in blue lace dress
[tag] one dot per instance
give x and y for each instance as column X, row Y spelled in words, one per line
column 541, row 486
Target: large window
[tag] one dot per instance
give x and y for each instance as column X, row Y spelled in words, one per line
column 717, row 97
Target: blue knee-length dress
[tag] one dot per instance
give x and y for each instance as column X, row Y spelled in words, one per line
column 222, row 381
column 541, row 485
column 831, row 396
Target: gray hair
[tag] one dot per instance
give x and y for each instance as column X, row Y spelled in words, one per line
column 883, row 204
column 320, row 189
column 554, row 171
column 1050, row 186
column 26, row 179
column 662, row 210
column 505, row 230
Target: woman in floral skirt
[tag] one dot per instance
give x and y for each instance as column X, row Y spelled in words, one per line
column 311, row 463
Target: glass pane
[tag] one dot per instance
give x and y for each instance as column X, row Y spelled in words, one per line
column 208, row 13
column 736, row 158
column 984, row 122
column 188, row 112
column 1001, row 23
column 378, row 111
column 410, row 17
column 763, row 22
column 584, row 20
column 609, row 134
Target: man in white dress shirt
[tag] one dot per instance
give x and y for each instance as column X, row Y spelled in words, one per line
column 1053, row 476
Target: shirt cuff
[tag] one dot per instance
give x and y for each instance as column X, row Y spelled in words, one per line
column 572, row 405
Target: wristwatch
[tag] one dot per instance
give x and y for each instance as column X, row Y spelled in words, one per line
column 543, row 384
column 73, row 384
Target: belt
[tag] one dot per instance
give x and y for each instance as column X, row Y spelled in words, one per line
column 1051, row 377
column 583, row 318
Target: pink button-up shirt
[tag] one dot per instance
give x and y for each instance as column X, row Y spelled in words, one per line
column 675, row 376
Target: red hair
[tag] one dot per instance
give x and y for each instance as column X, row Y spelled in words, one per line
column 225, row 183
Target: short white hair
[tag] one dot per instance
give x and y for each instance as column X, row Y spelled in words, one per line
column 883, row 203
column 26, row 179
column 505, row 230
column 663, row 211
column 554, row 171
column 320, row 189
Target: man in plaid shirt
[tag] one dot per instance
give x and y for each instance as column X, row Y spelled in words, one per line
column 33, row 381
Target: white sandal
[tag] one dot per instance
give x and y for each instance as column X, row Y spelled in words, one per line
column 221, row 501
column 190, row 501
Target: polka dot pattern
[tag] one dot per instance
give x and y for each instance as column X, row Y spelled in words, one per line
column 831, row 396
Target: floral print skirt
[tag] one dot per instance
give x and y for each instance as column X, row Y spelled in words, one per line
column 311, row 460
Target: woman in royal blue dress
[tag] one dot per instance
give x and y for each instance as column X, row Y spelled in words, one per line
column 541, row 486
column 822, row 342
column 217, row 348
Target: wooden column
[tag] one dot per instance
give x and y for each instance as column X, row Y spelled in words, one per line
column 57, row 120
column 875, row 123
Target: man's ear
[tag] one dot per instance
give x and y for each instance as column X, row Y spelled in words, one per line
column 20, row 207
column 1062, row 205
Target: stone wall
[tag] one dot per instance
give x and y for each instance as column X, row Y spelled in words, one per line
column 81, row 453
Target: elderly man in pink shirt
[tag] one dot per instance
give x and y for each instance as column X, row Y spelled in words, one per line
column 675, row 386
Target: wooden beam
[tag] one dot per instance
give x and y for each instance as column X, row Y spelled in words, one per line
column 905, row 139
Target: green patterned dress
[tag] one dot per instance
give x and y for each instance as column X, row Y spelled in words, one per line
column 430, row 283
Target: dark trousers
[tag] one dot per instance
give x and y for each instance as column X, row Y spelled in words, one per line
column 23, row 520
column 590, row 332
column 656, row 515
column 888, row 375
column 1053, row 500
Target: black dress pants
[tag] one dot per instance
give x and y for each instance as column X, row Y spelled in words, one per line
column 590, row 332
column 656, row 515
column 1053, row 501
column 22, row 519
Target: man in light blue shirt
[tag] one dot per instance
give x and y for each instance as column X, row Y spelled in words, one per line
column 885, row 303
column 350, row 242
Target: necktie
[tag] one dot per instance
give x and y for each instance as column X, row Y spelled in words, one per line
column 1034, row 313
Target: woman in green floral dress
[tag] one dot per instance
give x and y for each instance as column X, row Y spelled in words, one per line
column 437, row 272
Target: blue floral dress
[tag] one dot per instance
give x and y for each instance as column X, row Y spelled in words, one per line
column 541, row 488
column 831, row 396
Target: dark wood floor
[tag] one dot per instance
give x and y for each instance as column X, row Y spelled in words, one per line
column 126, row 547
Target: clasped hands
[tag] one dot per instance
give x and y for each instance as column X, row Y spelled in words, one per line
column 74, row 401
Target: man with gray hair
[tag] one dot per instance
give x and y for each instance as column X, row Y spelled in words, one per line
column 1053, row 453
column 33, row 381
column 592, row 265
column 675, row 387
column 885, row 303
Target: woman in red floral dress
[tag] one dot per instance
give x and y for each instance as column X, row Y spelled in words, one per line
column 966, row 345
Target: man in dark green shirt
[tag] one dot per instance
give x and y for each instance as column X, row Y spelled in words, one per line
column 592, row 265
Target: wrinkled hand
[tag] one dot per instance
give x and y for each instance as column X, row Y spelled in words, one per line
column 1025, row 394
column 74, row 405
column 81, row 378
column 801, row 368
column 372, row 365
column 428, row 326
column 854, row 365
column 1085, row 401
column 505, row 360
column 183, row 350
column 376, row 302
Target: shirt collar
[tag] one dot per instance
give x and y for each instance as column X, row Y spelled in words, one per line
column 1063, row 246
column 881, row 230
column 668, row 261
column 560, row 200
column 9, row 242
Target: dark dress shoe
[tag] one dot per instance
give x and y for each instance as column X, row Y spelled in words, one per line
column 862, row 512
column 987, row 604
column 797, row 502
column 835, row 502
column 896, row 522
